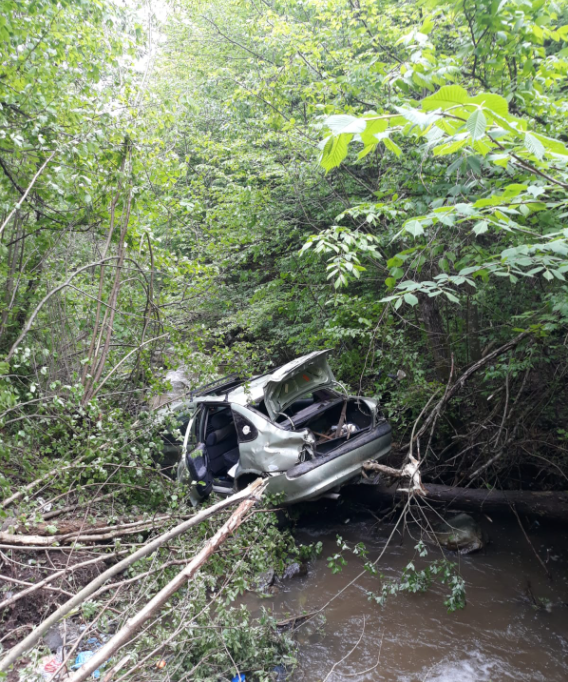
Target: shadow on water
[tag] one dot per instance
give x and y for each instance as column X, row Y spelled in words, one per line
column 500, row 636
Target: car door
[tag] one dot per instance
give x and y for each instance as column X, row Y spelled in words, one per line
column 193, row 466
column 265, row 447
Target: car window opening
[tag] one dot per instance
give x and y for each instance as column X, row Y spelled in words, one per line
column 290, row 425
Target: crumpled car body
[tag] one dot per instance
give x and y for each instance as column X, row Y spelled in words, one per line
column 294, row 425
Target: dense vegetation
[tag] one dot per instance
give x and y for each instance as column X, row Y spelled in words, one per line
column 231, row 183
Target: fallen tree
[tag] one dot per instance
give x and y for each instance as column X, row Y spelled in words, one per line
column 548, row 505
column 30, row 640
column 100, row 533
column 131, row 626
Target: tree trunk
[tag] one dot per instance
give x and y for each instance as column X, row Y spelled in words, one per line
column 30, row 640
column 437, row 336
column 132, row 625
column 547, row 505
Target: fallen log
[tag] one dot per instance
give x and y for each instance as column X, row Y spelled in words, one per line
column 89, row 534
column 50, row 474
column 546, row 505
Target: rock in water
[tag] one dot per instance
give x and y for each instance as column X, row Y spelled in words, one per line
column 293, row 570
column 462, row 534
column 264, row 580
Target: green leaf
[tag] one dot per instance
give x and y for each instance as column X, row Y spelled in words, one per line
column 414, row 227
column 411, row 299
column 534, row 145
column 476, row 125
column 451, row 297
column 342, row 123
column 335, row 151
column 491, row 101
column 392, row 146
column 504, row 123
column 501, row 160
column 480, row 227
column 448, row 148
column 397, row 273
column 446, row 97
column 552, row 145
column 481, row 147
column 417, row 117
column 372, row 127
column 366, row 150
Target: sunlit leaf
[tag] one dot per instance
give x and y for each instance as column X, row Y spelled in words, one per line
column 446, row 97
column 476, row 125
column 392, row 146
column 534, row 145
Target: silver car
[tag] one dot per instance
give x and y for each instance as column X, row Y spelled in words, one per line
column 294, row 425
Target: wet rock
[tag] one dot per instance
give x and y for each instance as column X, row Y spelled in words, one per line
column 64, row 634
column 70, row 632
column 278, row 673
column 294, row 570
column 265, row 580
column 462, row 534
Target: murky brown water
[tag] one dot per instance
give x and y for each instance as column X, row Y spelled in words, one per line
column 499, row 636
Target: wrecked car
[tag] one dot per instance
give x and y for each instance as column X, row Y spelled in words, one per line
column 294, row 425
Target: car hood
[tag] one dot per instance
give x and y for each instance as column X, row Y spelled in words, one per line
column 291, row 381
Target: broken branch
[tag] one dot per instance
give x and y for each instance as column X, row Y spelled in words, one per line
column 183, row 577
column 29, row 641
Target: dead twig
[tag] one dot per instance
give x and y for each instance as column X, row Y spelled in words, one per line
column 341, row 660
column 537, row 555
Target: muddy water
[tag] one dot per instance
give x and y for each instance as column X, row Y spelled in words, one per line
column 500, row 636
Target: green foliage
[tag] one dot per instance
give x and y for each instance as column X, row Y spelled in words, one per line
column 411, row 580
column 439, row 131
column 388, row 179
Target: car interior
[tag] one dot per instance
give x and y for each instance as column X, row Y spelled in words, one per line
column 220, row 437
column 332, row 418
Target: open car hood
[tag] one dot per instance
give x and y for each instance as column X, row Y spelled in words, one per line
column 289, row 382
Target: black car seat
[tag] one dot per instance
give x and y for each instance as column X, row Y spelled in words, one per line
column 221, row 442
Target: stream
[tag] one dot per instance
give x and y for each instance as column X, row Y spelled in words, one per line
column 499, row 636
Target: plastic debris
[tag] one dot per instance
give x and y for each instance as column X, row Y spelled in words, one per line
column 93, row 643
column 44, row 506
column 50, row 665
column 82, row 658
column 279, row 673
column 238, row 678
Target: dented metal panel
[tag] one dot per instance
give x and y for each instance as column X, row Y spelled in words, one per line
column 290, row 458
column 274, row 449
column 290, row 382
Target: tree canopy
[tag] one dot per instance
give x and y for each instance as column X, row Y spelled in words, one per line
column 234, row 183
column 223, row 185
